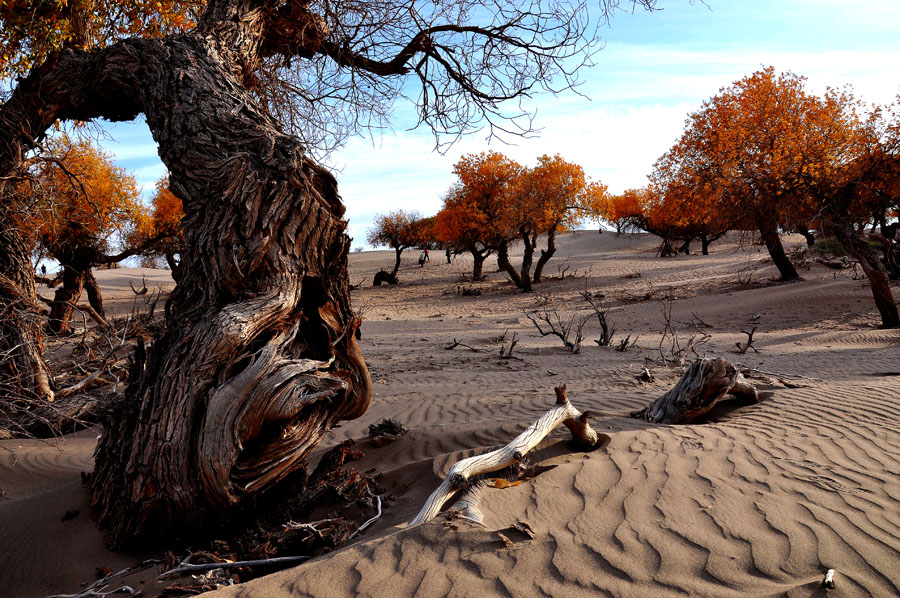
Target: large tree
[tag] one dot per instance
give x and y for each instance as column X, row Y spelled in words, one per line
column 749, row 144
column 552, row 196
column 259, row 360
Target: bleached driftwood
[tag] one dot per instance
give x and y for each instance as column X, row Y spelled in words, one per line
column 701, row 386
column 462, row 471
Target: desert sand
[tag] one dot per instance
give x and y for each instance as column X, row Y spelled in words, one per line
column 757, row 500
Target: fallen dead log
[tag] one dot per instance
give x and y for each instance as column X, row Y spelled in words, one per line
column 701, row 386
column 458, row 476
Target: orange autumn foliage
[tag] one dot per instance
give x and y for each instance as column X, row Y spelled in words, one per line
column 496, row 201
column 159, row 232
column 31, row 30
column 79, row 199
column 398, row 230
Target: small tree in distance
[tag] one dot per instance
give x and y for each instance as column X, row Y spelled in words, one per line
column 398, row 230
column 159, row 232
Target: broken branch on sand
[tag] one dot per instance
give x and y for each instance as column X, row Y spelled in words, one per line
column 185, row 567
column 563, row 413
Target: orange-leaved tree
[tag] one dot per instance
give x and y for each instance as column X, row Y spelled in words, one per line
column 753, row 143
column 546, row 199
column 398, row 230
column 82, row 205
column 34, row 29
column 159, row 233
column 477, row 215
column 625, row 210
column 861, row 191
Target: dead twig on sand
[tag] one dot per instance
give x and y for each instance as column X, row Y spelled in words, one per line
column 569, row 332
column 601, row 310
column 673, row 347
column 507, row 349
column 742, row 349
column 457, row 343
column 187, row 567
column 99, row 587
column 369, row 522
column 625, row 343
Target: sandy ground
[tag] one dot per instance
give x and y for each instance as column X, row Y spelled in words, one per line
column 758, row 501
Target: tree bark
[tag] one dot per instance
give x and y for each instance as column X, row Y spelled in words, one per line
column 685, row 247
column 23, row 371
column 261, row 312
column 701, row 386
column 768, row 229
column 95, row 298
column 64, row 300
column 506, row 266
column 546, row 255
column 530, row 242
column 397, row 252
column 258, row 360
column 478, row 256
column 704, row 244
column 860, row 250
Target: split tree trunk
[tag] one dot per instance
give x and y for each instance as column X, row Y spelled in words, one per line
column 478, row 257
column 506, row 266
column 768, row 229
column 546, row 255
column 871, row 264
column 259, row 359
column 23, row 371
column 701, row 386
column 64, row 300
column 95, row 297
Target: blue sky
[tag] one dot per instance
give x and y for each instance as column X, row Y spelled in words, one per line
column 655, row 68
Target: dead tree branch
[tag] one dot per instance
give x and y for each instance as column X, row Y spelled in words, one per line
column 563, row 413
column 569, row 332
column 742, row 349
column 601, row 310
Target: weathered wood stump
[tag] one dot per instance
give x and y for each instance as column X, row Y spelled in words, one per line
column 563, row 413
column 701, row 386
column 382, row 277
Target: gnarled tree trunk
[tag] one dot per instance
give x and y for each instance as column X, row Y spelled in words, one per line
column 701, row 386
column 259, row 359
column 64, row 300
column 23, row 371
column 871, row 264
column 95, row 297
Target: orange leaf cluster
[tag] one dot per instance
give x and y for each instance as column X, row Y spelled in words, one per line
column 30, row 30
column 79, row 198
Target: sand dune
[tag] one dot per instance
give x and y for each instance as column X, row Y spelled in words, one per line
column 758, row 501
